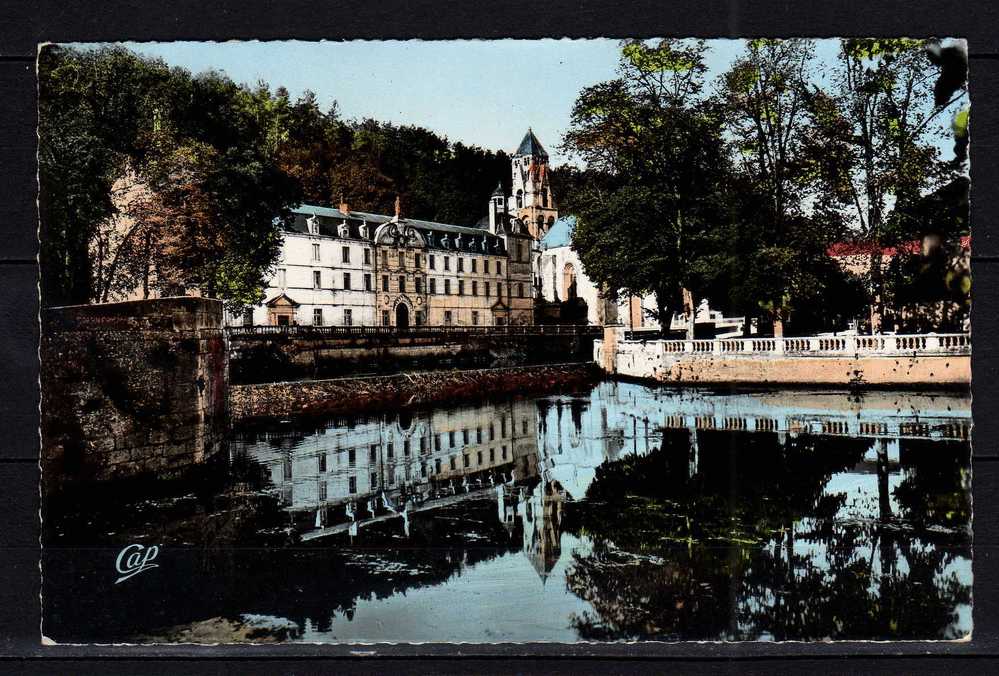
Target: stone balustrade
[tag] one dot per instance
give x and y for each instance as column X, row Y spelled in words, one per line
column 879, row 345
column 879, row 360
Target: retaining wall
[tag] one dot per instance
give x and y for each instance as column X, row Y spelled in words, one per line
column 344, row 395
column 130, row 388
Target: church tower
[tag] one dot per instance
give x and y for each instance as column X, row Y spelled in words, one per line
column 532, row 200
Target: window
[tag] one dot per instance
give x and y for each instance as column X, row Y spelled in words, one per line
column 474, row 265
column 437, row 442
column 503, row 427
column 402, row 283
column 447, row 263
column 405, row 447
column 373, row 453
column 432, row 260
column 499, row 290
column 419, row 318
column 384, row 282
column 447, row 287
column 345, row 254
column 317, row 317
column 475, row 288
column 523, row 426
column 417, row 261
column 503, row 452
column 465, row 460
column 499, row 268
column 478, row 435
column 450, row 438
column 402, row 259
column 492, row 432
column 352, row 485
column 348, row 317
column 487, row 289
column 317, row 279
column 346, row 281
column 485, row 266
column 374, row 481
column 461, row 287
column 367, row 282
column 437, row 466
column 322, row 462
column 367, row 256
column 478, row 458
column 453, row 464
column 351, row 457
column 492, row 455
column 315, row 252
column 282, row 278
column 418, row 282
column 433, row 286
column 447, row 318
column 322, row 491
column 464, row 437
column 423, row 470
column 475, row 317
column 385, row 318
column 423, row 445
column 385, row 257
column 520, row 290
column 461, row 264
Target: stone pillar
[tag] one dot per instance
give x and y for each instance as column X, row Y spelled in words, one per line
column 612, row 335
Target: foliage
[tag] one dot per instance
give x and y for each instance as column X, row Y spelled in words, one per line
column 644, row 224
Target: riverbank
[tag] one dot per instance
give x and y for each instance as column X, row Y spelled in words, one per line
column 349, row 395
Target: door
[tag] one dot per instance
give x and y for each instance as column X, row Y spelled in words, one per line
column 402, row 316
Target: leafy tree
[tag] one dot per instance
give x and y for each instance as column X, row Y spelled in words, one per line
column 877, row 121
column 658, row 142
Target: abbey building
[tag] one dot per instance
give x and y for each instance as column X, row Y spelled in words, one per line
column 340, row 267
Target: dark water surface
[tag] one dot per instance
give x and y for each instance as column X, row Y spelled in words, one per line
column 621, row 513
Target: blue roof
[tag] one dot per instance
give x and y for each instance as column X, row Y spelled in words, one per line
column 530, row 145
column 560, row 233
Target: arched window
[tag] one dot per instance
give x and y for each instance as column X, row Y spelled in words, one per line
column 568, row 282
column 544, row 198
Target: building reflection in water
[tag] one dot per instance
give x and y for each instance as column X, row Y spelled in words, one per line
column 690, row 514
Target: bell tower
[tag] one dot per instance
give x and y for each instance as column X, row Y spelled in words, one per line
column 531, row 199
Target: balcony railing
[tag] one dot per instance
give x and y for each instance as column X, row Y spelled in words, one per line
column 413, row 331
column 943, row 343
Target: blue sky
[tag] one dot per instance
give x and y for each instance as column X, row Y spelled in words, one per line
column 480, row 92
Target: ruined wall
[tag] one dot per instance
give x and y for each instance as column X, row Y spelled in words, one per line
column 345, row 395
column 132, row 387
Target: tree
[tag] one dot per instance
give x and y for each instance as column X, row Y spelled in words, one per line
column 657, row 145
column 877, row 120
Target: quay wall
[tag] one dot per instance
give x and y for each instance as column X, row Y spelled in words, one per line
column 273, row 357
column 130, row 388
column 345, row 395
column 653, row 361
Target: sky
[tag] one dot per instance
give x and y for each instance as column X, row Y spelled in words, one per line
column 480, row 92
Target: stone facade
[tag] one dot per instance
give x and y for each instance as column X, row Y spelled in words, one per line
column 132, row 387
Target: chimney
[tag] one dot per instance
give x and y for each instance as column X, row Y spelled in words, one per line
column 344, row 207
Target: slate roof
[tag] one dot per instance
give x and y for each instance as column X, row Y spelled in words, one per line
column 330, row 220
column 530, row 145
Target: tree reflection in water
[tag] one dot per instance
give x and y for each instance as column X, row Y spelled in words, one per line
column 754, row 545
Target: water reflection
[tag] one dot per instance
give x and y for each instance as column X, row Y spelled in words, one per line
column 622, row 513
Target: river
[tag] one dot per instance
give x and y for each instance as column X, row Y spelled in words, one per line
column 624, row 512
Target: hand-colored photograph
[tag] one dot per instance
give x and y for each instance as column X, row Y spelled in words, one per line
column 505, row 341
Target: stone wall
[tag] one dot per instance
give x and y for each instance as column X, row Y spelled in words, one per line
column 344, row 395
column 648, row 361
column 133, row 387
column 278, row 357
